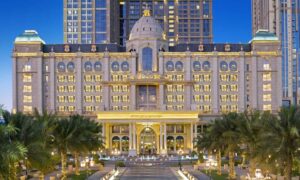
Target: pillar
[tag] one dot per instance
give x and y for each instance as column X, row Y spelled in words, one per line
column 192, row 136
column 132, row 140
column 78, row 85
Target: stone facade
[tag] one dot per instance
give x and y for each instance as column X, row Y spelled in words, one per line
column 151, row 98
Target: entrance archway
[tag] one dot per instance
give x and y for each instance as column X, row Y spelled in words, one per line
column 148, row 142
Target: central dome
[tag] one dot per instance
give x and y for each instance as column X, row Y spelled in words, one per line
column 146, row 27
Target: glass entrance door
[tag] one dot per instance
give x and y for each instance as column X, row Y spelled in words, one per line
column 148, row 142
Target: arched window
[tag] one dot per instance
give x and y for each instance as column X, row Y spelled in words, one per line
column 71, row 67
column 170, row 66
column 179, row 66
column 61, row 67
column 196, row 66
column 179, row 143
column 98, row 66
column 115, row 143
column 206, row 66
column 115, row 66
column 170, row 143
column 88, row 66
column 125, row 144
column 224, row 66
column 233, row 66
column 147, row 59
column 125, row 66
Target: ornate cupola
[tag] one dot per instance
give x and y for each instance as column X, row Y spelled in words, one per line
column 147, row 38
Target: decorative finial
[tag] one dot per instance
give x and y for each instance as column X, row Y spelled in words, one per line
column 146, row 11
column 52, row 49
column 106, row 49
column 79, row 49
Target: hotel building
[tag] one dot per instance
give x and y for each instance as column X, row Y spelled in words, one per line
column 151, row 98
column 110, row 21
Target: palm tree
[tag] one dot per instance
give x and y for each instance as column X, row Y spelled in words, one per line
column 63, row 139
column 211, row 141
column 87, row 139
column 281, row 138
column 249, row 128
column 34, row 133
column 229, row 136
column 10, row 152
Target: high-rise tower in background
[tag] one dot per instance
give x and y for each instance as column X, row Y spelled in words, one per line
column 282, row 18
column 99, row 21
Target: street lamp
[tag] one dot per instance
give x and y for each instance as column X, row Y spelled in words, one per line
column 87, row 161
column 179, row 160
column 26, row 166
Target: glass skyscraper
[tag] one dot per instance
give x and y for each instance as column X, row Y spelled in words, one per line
column 98, row 21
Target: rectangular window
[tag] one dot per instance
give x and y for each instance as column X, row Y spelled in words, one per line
column 27, row 89
column 71, row 88
column 71, row 78
column 197, row 98
column 98, row 78
column 61, row 99
column 71, row 99
column 267, row 87
column 61, row 78
column 180, row 98
column 88, row 99
column 125, row 88
column 207, row 78
column 197, row 88
column 267, row 97
column 169, row 88
column 61, row 88
column 207, row 98
column 27, row 109
column 125, row 98
column 27, row 68
column 267, row 107
column 98, row 88
column 88, row 88
column 234, row 88
column 88, row 78
column 234, row 98
column 267, row 77
column 98, row 98
column 71, row 108
column 61, row 108
column 27, row 99
column 27, row 78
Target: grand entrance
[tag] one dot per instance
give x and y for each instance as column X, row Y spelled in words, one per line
column 148, row 142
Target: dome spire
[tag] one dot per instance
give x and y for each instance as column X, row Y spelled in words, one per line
column 146, row 11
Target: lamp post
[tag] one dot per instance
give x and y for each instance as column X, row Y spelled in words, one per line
column 87, row 161
column 179, row 160
column 26, row 164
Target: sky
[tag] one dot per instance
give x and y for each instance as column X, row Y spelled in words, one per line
column 231, row 23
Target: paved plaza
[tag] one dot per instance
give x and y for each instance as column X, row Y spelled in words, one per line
column 149, row 172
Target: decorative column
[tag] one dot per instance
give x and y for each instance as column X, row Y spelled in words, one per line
column 160, row 138
column 79, row 88
column 215, row 83
column 242, row 84
column 254, row 82
column 40, row 86
column 132, row 140
column 52, row 78
column 106, row 78
column 165, row 137
column 15, row 85
column 192, row 136
column 103, row 134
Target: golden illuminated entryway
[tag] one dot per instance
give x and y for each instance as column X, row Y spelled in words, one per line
column 148, row 142
column 148, row 133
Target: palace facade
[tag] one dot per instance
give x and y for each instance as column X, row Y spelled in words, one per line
column 150, row 98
